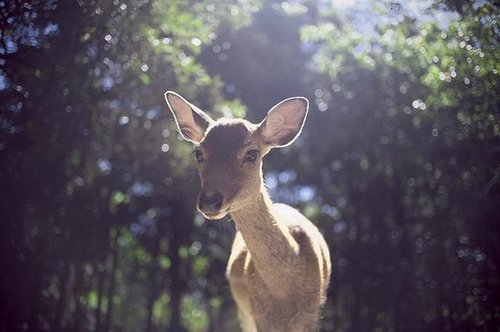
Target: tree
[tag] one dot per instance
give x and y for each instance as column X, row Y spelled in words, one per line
column 397, row 164
column 94, row 213
column 416, row 177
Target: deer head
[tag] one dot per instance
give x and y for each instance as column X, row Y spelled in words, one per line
column 229, row 152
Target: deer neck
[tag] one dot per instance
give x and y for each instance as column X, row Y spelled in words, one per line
column 256, row 211
column 268, row 240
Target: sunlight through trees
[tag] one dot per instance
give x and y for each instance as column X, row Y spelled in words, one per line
column 398, row 164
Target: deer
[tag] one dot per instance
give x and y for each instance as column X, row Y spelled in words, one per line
column 279, row 266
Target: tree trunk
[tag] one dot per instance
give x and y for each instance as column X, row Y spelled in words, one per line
column 77, row 292
column 153, row 287
column 101, row 267
column 112, row 282
column 63, row 287
column 179, row 222
column 403, row 293
column 100, row 290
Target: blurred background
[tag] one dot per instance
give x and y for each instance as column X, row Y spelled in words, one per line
column 398, row 164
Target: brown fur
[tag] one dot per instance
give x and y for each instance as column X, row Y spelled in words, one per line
column 279, row 268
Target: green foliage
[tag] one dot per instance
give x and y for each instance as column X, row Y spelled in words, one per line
column 397, row 164
column 160, row 310
column 194, row 317
column 427, row 97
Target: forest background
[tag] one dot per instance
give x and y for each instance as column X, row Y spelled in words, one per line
column 398, row 164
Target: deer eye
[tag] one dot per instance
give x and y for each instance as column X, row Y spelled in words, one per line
column 251, row 156
column 199, row 156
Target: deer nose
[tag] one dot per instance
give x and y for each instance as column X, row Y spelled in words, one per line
column 210, row 201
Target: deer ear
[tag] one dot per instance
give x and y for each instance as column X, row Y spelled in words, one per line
column 191, row 121
column 284, row 122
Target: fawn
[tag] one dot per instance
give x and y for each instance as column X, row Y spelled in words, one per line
column 279, row 267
